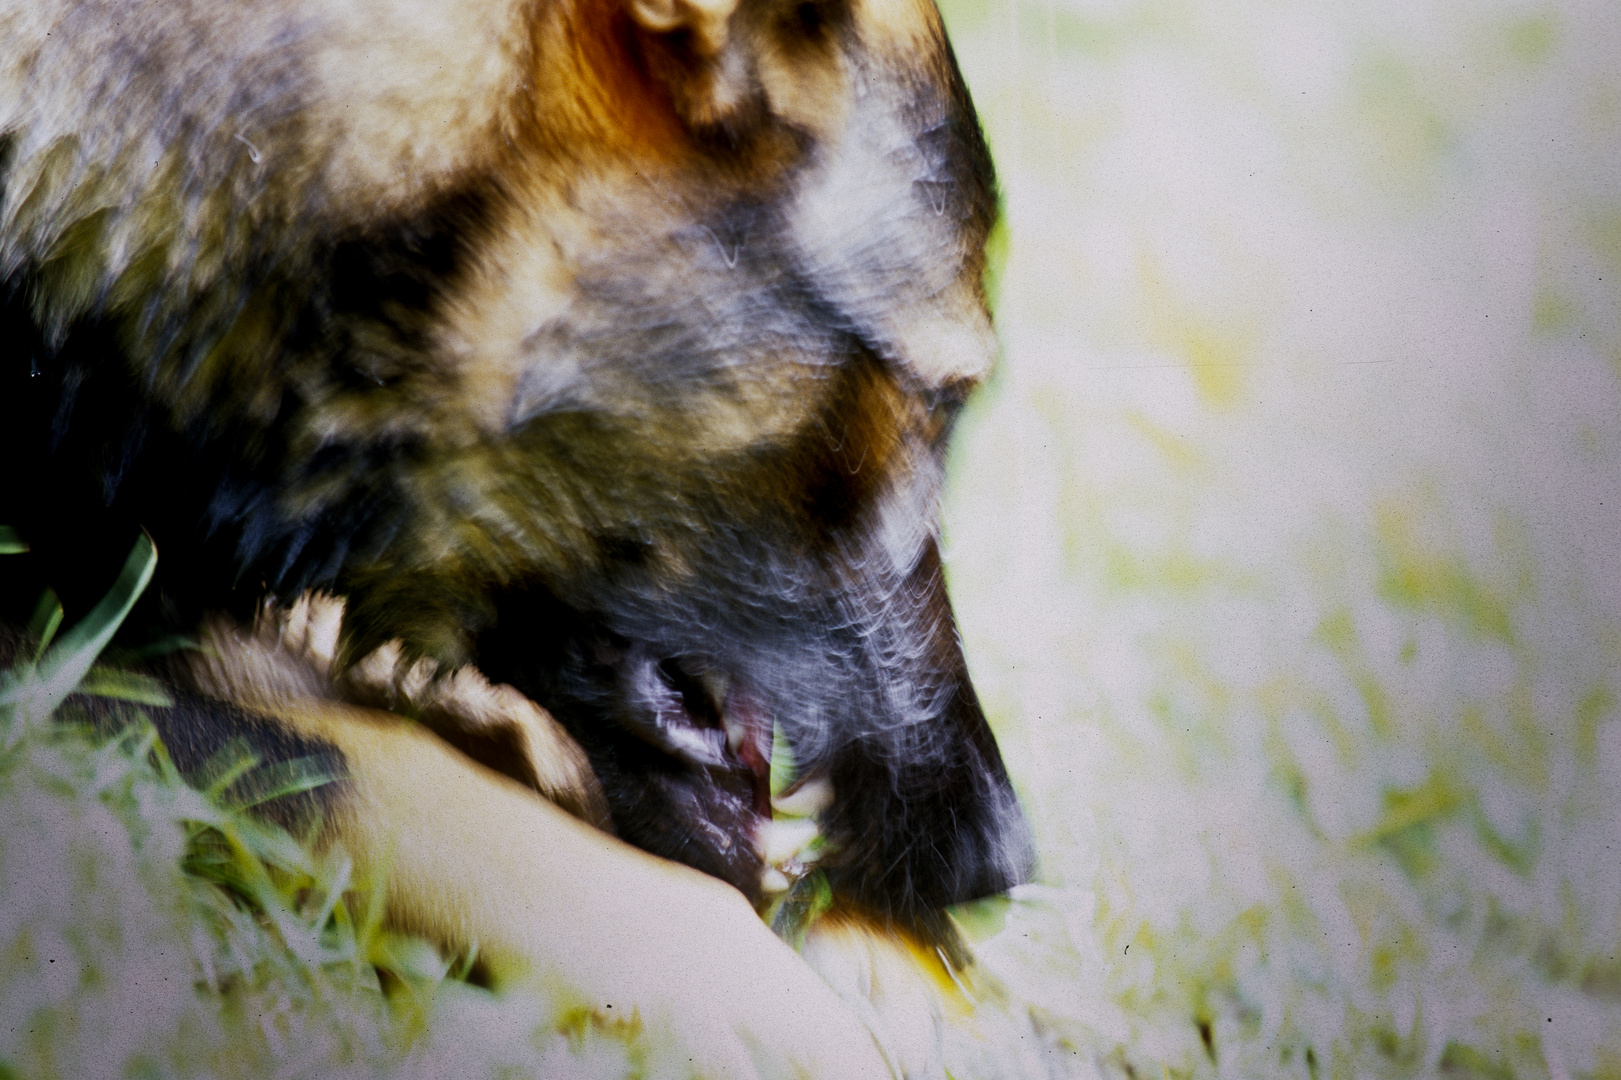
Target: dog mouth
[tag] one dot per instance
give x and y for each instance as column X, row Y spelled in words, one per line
column 681, row 746
column 899, row 801
column 696, row 713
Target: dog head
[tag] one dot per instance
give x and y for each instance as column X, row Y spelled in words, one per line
column 611, row 345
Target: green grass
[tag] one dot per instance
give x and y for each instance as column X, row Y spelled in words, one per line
column 149, row 929
column 1285, row 546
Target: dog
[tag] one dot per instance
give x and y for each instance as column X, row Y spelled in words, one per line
column 592, row 363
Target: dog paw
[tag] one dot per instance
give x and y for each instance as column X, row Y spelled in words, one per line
column 903, row 992
column 701, row 970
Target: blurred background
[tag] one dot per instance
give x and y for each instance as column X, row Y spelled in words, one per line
column 1285, row 541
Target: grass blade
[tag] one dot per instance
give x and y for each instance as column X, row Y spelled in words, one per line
column 40, row 690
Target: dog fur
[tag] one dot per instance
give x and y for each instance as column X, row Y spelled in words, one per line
column 611, row 346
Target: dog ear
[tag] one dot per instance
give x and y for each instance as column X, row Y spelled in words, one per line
column 705, row 20
column 692, row 48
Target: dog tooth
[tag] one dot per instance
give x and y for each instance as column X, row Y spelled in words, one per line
column 785, row 839
column 806, row 800
column 716, row 682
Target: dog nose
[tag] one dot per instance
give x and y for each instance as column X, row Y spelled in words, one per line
column 924, row 814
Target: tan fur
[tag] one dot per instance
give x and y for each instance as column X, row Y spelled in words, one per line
column 547, row 896
column 284, row 666
column 904, row 993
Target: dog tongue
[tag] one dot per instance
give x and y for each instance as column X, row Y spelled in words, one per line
column 748, row 735
column 680, row 718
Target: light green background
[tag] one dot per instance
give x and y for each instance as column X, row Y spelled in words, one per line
column 1285, row 542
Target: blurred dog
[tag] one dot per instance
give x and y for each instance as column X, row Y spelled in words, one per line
column 611, row 346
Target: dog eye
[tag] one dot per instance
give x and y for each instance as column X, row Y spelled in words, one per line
column 813, row 20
